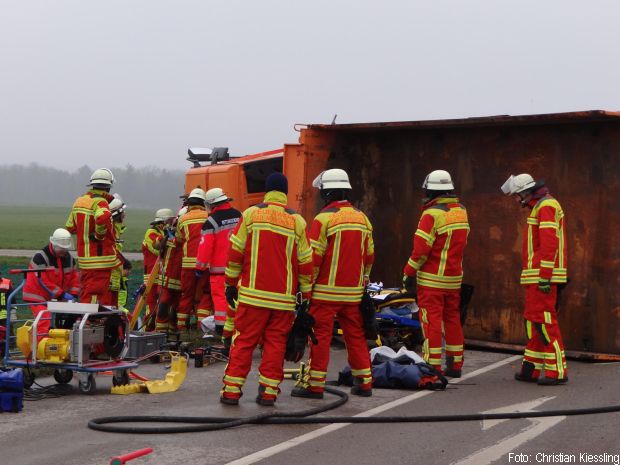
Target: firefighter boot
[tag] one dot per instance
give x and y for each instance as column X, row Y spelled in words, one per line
column 544, row 381
column 358, row 390
column 264, row 401
column 527, row 373
column 301, row 391
column 450, row 371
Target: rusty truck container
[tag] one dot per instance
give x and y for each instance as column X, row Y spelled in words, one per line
column 575, row 153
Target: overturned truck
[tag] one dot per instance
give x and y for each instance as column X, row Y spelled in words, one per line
column 575, row 153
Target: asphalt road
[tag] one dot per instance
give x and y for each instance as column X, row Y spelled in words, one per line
column 53, row 431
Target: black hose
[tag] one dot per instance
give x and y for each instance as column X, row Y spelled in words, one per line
column 300, row 418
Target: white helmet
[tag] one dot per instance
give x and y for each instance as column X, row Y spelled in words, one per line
column 215, row 195
column 117, row 206
column 61, row 238
column 163, row 214
column 197, row 193
column 518, row 183
column 438, row 180
column 102, row 176
column 332, row 179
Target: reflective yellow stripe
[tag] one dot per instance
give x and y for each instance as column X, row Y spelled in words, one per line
column 254, row 258
column 547, row 316
column 548, row 225
column 452, row 348
column 257, row 302
column 530, row 246
column 269, row 381
column 424, row 235
column 333, row 268
column 444, row 255
column 290, row 242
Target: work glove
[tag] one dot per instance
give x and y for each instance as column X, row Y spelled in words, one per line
column 198, row 273
column 409, row 283
column 301, row 331
column 68, row 297
column 169, row 234
column 544, row 286
column 232, row 295
column 227, row 343
column 219, row 330
column 369, row 322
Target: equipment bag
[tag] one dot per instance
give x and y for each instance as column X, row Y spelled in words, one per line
column 11, row 390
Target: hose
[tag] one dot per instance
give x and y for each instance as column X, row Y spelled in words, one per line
column 301, row 418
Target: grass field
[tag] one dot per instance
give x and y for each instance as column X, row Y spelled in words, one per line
column 29, row 227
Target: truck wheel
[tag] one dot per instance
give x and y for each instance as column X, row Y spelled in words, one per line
column 88, row 386
column 63, row 376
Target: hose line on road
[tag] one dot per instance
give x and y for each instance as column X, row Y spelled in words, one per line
column 305, row 417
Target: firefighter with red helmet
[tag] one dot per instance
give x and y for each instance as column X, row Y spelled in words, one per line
column 90, row 221
column 60, row 281
column 188, row 237
column 154, row 240
column 544, row 261
column 170, row 279
column 436, row 264
column 213, row 254
column 343, row 254
column 271, row 261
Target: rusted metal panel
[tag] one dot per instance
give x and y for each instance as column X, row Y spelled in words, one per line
column 576, row 153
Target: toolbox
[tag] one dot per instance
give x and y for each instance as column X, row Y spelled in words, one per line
column 141, row 344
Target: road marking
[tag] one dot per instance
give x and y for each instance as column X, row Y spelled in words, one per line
column 528, row 406
column 495, row 452
column 273, row 450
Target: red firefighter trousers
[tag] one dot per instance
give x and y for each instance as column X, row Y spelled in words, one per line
column 350, row 321
column 95, row 287
column 251, row 325
column 218, row 288
column 45, row 321
column 190, row 286
column 168, row 304
column 544, row 349
column 441, row 309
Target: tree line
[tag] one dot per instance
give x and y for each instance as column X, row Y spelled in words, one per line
column 34, row 184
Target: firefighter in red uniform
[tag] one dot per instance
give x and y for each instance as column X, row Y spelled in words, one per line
column 213, row 254
column 170, row 280
column 436, row 263
column 544, row 268
column 343, row 254
column 90, row 221
column 188, row 238
column 61, row 283
column 154, row 240
column 271, row 260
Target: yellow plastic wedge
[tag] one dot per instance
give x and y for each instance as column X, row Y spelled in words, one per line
column 129, row 389
column 174, row 378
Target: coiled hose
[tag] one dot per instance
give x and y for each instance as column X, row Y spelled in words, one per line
column 199, row 424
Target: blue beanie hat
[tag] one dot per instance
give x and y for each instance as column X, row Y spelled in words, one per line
column 276, row 182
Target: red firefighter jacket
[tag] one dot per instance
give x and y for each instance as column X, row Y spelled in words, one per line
column 188, row 234
column 215, row 240
column 90, row 221
column 544, row 243
column 438, row 245
column 150, row 247
column 64, row 277
column 269, row 251
column 343, row 253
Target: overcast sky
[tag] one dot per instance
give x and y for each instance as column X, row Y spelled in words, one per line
column 106, row 83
